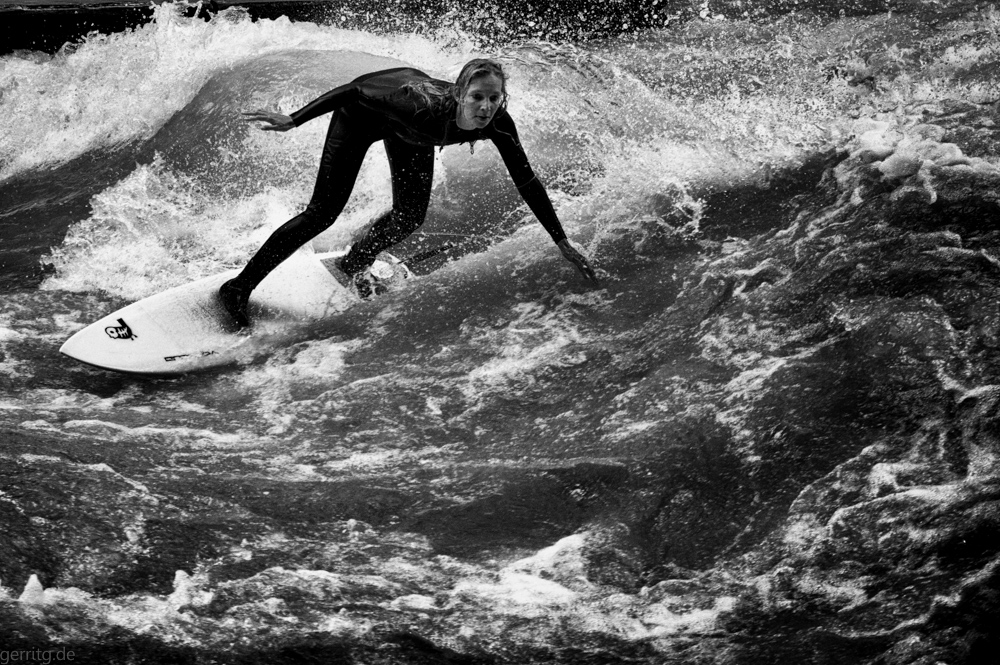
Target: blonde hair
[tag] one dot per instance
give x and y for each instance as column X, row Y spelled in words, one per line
column 440, row 97
column 477, row 69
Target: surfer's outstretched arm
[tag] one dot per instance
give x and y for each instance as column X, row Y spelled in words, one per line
column 374, row 84
column 533, row 192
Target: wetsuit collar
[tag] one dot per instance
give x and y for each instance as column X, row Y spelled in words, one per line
column 454, row 134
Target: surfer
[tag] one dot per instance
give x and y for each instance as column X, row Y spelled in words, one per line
column 411, row 113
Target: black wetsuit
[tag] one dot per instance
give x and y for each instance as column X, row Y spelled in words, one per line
column 379, row 107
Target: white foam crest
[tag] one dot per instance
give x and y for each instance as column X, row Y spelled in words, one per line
column 632, row 154
column 9, row 365
column 384, row 460
column 158, row 228
column 113, row 89
column 643, row 192
column 534, row 337
column 489, row 604
column 520, row 594
column 550, row 588
column 86, row 614
column 576, row 111
column 155, row 229
column 574, row 97
column 53, row 399
column 313, row 361
column 8, row 334
column 317, row 364
column 171, row 435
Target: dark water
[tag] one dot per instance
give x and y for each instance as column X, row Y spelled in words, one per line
column 499, row 463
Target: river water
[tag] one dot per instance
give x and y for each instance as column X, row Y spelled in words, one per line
column 473, row 467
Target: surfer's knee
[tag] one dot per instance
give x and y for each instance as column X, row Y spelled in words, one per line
column 315, row 218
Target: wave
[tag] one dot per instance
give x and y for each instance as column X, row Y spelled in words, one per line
column 618, row 161
column 764, row 352
column 630, row 137
column 115, row 89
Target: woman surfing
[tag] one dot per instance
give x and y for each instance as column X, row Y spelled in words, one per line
column 411, row 113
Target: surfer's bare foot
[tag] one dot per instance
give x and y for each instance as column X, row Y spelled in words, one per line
column 235, row 300
column 359, row 282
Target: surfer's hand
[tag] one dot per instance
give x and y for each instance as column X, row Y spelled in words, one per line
column 574, row 256
column 276, row 122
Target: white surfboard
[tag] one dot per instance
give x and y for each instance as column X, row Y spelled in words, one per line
column 186, row 329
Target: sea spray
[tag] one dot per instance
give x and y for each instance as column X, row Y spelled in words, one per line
column 619, row 153
column 112, row 90
column 34, row 592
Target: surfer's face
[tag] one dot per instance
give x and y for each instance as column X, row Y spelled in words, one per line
column 480, row 101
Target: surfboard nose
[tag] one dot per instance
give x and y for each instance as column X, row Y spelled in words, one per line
column 186, row 328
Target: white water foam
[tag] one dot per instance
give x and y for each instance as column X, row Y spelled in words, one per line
column 117, row 88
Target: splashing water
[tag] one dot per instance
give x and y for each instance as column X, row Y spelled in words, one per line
column 464, row 452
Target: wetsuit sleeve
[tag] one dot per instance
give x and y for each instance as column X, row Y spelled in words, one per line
column 374, row 85
column 531, row 189
column 331, row 101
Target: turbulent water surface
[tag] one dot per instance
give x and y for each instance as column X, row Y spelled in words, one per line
column 768, row 435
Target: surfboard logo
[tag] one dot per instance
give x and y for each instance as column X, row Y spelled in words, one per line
column 121, row 331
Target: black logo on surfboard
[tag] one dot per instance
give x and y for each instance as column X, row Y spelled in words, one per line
column 121, row 331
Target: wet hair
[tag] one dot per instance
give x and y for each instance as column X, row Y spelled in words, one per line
column 477, row 69
column 439, row 97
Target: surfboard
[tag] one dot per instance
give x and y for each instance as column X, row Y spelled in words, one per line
column 185, row 329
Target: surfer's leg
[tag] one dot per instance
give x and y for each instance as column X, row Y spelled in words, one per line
column 347, row 141
column 412, row 169
column 343, row 153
